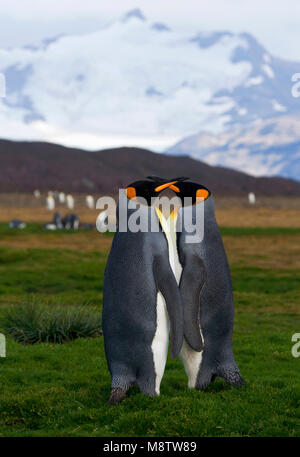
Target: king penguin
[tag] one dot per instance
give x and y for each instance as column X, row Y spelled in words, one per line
column 204, row 279
column 202, row 273
column 141, row 302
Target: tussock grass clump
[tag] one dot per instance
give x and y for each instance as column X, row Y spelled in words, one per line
column 36, row 323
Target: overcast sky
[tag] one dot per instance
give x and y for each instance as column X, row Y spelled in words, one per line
column 276, row 23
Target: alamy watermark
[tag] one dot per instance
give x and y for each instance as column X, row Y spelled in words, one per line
column 2, row 86
column 2, row 345
column 296, row 87
column 134, row 215
column 296, row 346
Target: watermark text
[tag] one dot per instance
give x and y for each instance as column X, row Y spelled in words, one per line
column 296, row 346
column 2, row 345
column 2, row 86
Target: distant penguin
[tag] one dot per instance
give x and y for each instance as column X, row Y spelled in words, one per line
column 56, row 223
column 251, row 198
column 141, row 302
column 61, row 197
column 57, row 220
column 50, row 203
column 75, row 221
column 70, row 201
column 90, row 203
column 16, row 223
column 71, row 222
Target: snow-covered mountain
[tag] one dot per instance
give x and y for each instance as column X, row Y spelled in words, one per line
column 140, row 83
column 269, row 147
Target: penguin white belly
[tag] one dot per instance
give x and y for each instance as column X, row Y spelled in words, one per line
column 160, row 341
column 191, row 359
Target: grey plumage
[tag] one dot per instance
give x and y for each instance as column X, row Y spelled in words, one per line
column 206, row 291
column 137, row 268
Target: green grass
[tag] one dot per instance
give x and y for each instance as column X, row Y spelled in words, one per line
column 62, row 390
column 63, row 275
column 32, row 323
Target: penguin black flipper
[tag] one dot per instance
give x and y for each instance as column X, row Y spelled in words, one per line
column 191, row 285
column 167, row 285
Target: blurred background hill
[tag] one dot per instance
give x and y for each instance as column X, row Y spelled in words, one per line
column 26, row 166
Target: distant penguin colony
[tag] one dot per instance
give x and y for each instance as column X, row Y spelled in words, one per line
column 156, row 282
column 69, row 221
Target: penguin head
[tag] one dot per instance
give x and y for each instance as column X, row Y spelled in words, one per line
column 155, row 186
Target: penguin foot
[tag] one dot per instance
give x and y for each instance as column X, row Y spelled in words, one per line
column 232, row 376
column 204, row 379
column 117, row 395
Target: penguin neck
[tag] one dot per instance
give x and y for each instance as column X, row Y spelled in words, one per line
column 168, row 225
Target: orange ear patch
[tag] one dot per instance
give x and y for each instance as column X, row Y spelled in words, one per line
column 165, row 186
column 130, row 192
column 202, row 194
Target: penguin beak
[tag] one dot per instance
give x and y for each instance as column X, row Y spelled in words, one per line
column 174, row 214
column 169, row 185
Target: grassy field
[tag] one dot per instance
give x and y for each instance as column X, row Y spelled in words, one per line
column 62, row 390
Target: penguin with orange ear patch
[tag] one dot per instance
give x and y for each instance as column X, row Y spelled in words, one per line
column 206, row 292
column 141, row 301
column 202, row 273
